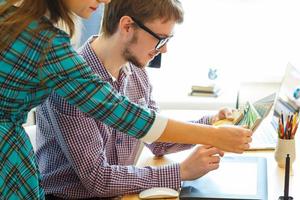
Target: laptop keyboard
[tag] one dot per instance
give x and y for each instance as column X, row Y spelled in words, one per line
column 264, row 138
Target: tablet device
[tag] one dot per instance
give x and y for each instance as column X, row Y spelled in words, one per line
column 237, row 178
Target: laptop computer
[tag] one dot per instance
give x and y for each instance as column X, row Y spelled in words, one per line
column 265, row 137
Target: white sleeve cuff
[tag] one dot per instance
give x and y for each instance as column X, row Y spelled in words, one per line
column 156, row 130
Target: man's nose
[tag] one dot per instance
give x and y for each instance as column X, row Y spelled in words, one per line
column 163, row 49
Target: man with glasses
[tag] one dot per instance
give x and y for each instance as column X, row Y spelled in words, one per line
column 161, row 40
column 80, row 157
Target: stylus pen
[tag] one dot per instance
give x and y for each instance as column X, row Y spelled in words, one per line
column 287, row 177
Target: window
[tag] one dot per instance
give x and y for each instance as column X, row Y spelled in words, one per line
column 250, row 39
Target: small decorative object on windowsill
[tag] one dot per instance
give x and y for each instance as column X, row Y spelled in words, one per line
column 208, row 88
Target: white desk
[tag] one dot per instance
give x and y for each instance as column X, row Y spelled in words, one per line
column 275, row 174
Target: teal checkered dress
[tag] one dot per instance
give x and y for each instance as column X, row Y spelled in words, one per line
column 32, row 67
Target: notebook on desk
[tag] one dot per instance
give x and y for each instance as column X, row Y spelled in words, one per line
column 265, row 137
column 237, row 178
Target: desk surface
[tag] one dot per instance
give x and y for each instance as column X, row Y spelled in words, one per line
column 275, row 174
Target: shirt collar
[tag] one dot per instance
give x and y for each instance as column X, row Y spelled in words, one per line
column 127, row 69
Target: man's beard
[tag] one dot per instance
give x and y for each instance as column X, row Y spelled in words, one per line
column 129, row 56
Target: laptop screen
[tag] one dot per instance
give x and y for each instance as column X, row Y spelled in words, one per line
column 264, row 105
column 288, row 98
column 287, row 102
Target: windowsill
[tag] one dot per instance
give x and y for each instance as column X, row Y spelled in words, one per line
column 249, row 91
column 182, row 101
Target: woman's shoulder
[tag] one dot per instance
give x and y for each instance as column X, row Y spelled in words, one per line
column 45, row 32
column 52, row 28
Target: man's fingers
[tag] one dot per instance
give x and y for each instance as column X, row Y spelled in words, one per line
column 221, row 153
column 229, row 116
column 213, row 166
column 228, row 113
column 214, row 150
column 215, row 159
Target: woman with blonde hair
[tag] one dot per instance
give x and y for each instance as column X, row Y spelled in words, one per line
column 36, row 58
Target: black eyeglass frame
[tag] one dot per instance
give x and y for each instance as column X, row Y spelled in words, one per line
column 162, row 41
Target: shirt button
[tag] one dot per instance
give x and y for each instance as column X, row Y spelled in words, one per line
column 119, row 141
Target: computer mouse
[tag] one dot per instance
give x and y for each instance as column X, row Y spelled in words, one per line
column 158, row 193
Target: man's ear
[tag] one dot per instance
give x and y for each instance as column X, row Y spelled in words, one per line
column 126, row 26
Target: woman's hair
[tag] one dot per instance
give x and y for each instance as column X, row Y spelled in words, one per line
column 16, row 15
column 143, row 10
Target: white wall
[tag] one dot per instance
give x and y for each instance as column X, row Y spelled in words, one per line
column 247, row 40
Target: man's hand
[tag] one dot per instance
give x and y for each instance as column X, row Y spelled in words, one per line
column 201, row 161
column 224, row 113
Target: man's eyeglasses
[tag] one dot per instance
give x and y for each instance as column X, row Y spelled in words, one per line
column 161, row 40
